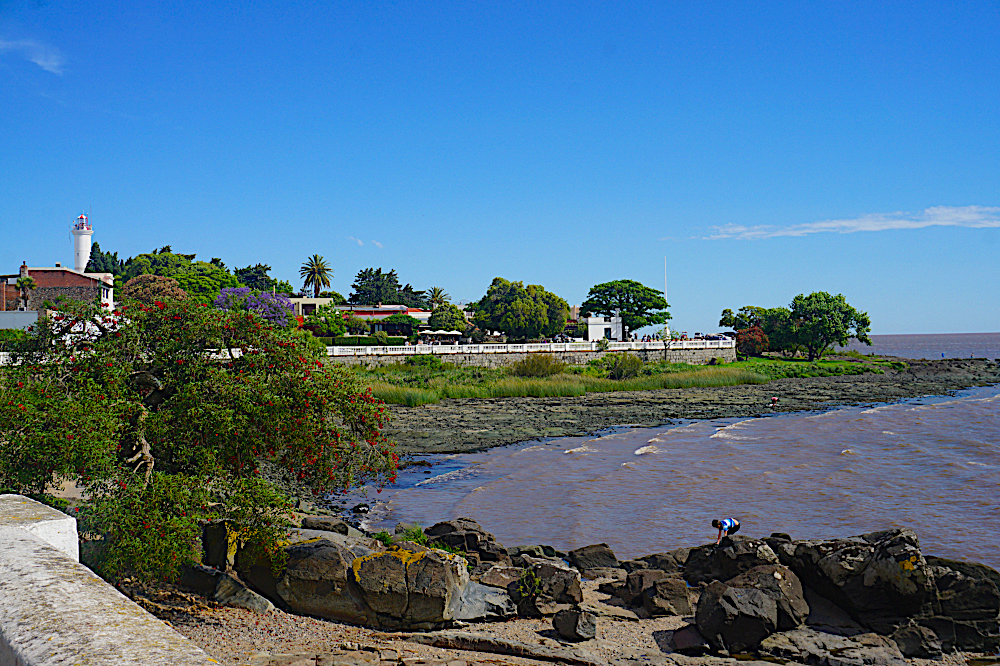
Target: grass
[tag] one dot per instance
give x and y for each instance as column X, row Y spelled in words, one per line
column 422, row 383
column 402, row 390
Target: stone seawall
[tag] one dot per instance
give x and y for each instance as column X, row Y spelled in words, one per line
column 692, row 356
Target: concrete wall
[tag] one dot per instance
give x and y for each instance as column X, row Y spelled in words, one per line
column 54, row 610
column 692, row 356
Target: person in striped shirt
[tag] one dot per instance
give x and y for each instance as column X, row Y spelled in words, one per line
column 726, row 527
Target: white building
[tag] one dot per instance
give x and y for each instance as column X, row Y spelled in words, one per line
column 603, row 327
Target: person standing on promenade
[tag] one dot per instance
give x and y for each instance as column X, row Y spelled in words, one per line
column 726, row 527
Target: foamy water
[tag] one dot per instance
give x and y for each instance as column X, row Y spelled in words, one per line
column 929, row 464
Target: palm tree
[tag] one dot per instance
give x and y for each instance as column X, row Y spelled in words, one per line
column 25, row 284
column 437, row 296
column 316, row 273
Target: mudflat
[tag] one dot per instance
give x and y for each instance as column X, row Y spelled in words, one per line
column 459, row 426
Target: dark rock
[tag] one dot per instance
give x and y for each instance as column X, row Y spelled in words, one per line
column 361, row 508
column 638, row 582
column 735, row 619
column 435, row 582
column 781, row 584
column 827, row 617
column 808, row 646
column 688, row 641
column 223, row 587
column 597, row 556
column 575, row 625
column 546, row 588
column 484, row 602
column 325, row 523
column 672, row 562
column 917, row 641
column 537, row 551
column 880, row 578
column 218, row 545
column 617, row 575
column 668, row 596
column 964, row 606
column 730, row 558
column 318, row 581
column 467, row 535
column 499, row 575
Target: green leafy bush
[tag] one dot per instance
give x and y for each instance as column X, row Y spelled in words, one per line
column 384, row 537
column 622, row 365
column 537, row 365
column 424, row 361
column 12, row 338
column 381, row 338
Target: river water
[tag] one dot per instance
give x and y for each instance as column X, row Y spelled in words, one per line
column 931, row 464
column 931, row 346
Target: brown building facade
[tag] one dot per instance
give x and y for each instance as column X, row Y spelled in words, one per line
column 59, row 281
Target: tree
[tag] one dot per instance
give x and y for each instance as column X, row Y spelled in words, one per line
column 448, row 317
column 520, row 312
column 338, row 299
column 316, row 273
column 275, row 309
column 149, row 288
column 201, row 280
column 436, row 297
column 168, row 414
column 103, row 262
column 356, row 325
column 328, row 320
column 372, row 286
column 25, row 284
column 775, row 323
column 751, row 341
column 410, row 297
column 822, row 320
column 256, row 277
column 637, row 304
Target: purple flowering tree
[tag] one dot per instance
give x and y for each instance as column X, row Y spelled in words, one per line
column 273, row 308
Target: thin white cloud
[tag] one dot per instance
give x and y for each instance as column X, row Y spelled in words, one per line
column 46, row 57
column 975, row 217
column 377, row 244
column 356, row 240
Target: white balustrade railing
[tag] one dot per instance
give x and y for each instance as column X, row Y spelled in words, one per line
column 530, row 348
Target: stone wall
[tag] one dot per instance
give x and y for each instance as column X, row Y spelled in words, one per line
column 57, row 611
column 692, row 356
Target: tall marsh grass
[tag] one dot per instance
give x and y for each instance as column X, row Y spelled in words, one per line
column 560, row 386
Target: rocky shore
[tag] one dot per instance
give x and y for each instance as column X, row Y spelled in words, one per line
column 870, row 600
column 458, row 426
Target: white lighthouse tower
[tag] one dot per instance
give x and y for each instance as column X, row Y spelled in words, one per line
column 82, row 231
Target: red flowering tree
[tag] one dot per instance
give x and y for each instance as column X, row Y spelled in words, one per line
column 751, row 341
column 168, row 413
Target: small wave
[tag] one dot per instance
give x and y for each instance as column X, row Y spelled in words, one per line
column 453, row 475
column 722, row 434
column 847, row 452
column 655, row 439
column 876, row 410
column 579, row 449
column 889, row 432
column 977, row 464
column 646, row 449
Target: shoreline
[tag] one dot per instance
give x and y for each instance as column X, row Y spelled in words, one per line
column 470, row 425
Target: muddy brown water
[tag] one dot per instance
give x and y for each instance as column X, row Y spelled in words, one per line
column 929, row 463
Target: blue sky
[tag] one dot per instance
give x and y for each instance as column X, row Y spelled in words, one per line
column 765, row 152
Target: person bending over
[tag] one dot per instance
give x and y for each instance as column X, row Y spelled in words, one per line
column 726, row 527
